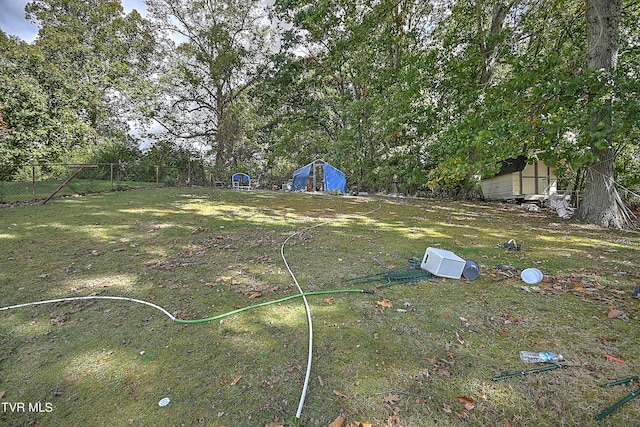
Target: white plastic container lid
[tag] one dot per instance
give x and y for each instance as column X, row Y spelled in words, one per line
column 531, row 276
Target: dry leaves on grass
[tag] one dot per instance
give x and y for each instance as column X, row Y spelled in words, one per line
column 442, row 367
column 468, row 402
column 615, row 314
column 340, row 394
column 391, row 399
column 255, row 295
column 384, row 303
column 360, row 424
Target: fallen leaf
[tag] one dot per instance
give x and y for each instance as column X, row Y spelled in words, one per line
column 3, row 393
column 338, row 422
column 615, row 313
column 608, row 338
column 236, row 379
column 432, row 360
column 466, row 399
column 255, row 295
column 340, row 394
column 330, row 301
column 468, row 406
column 320, row 381
column 384, row 303
column 223, row 279
column 391, row 399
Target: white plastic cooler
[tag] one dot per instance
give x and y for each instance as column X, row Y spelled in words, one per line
column 442, row 263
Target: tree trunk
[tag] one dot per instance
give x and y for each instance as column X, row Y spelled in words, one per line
column 601, row 203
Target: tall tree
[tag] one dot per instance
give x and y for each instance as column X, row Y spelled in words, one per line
column 359, row 81
column 472, row 43
column 543, row 100
column 215, row 50
column 95, row 45
column 601, row 203
column 73, row 85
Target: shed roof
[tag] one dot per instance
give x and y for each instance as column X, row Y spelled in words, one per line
column 512, row 165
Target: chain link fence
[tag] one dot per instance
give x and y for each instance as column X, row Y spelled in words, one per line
column 40, row 182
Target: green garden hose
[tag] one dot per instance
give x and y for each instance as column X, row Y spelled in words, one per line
column 290, row 297
column 301, row 294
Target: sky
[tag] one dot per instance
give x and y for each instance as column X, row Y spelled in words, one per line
column 13, row 22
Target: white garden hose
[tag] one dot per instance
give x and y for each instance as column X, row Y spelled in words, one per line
column 302, row 294
column 306, row 306
column 53, row 301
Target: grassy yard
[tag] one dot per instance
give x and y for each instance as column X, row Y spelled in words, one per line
column 413, row 354
column 23, row 191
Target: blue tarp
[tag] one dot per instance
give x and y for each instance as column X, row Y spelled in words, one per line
column 334, row 179
column 300, row 177
column 241, row 177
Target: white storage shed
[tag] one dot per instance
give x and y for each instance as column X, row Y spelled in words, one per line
column 521, row 181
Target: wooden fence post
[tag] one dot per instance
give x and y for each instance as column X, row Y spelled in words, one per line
column 33, row 181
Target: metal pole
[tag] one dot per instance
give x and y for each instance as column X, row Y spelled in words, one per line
column 68, row 180
column 617, row 405
column 314, row 176
column 33, row 181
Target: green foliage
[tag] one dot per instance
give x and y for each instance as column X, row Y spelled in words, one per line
column 74, row 85
column 403, row 96
column 169, row 181
column 357, row 102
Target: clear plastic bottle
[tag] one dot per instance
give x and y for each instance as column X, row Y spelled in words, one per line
column 541, row 357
